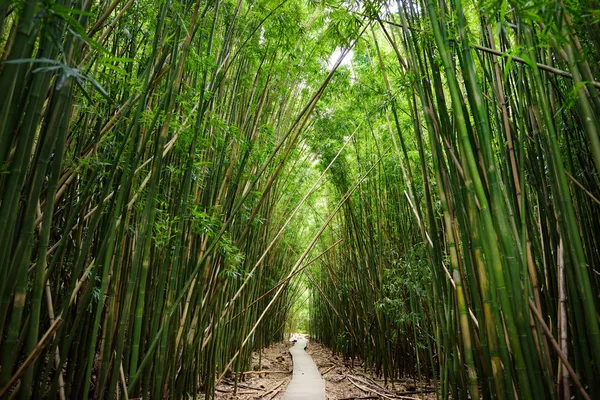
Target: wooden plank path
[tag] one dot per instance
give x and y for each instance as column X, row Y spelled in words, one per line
column 307, row 383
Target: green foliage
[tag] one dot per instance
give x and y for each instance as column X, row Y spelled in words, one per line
column 170, row 167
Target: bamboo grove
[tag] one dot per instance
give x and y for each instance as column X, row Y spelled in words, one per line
column 142, row 149
column 174, row 174
column 471, row 252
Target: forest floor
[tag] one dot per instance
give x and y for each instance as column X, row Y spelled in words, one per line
column 344, row 380
column 267, row 380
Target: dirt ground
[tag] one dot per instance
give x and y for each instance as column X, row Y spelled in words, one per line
column 343, row 381
column 268, row 383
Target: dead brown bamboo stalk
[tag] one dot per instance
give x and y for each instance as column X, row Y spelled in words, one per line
column 559, row 352
column 562, row 298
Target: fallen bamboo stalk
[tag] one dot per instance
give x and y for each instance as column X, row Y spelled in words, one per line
column 359, row 398
column 275, row 389
column 263, row 372
column 367, row 389
column 274, row 394
column 328, row 369
column 366, row 382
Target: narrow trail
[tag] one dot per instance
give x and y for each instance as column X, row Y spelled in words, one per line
column 307, row 382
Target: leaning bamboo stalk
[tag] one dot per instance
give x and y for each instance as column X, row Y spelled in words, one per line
column 32, row 356
column 296, row 265
column 286, row 223
column 560, row 354
column 543, row 67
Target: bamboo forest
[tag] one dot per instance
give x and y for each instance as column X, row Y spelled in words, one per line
column 414, row 184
